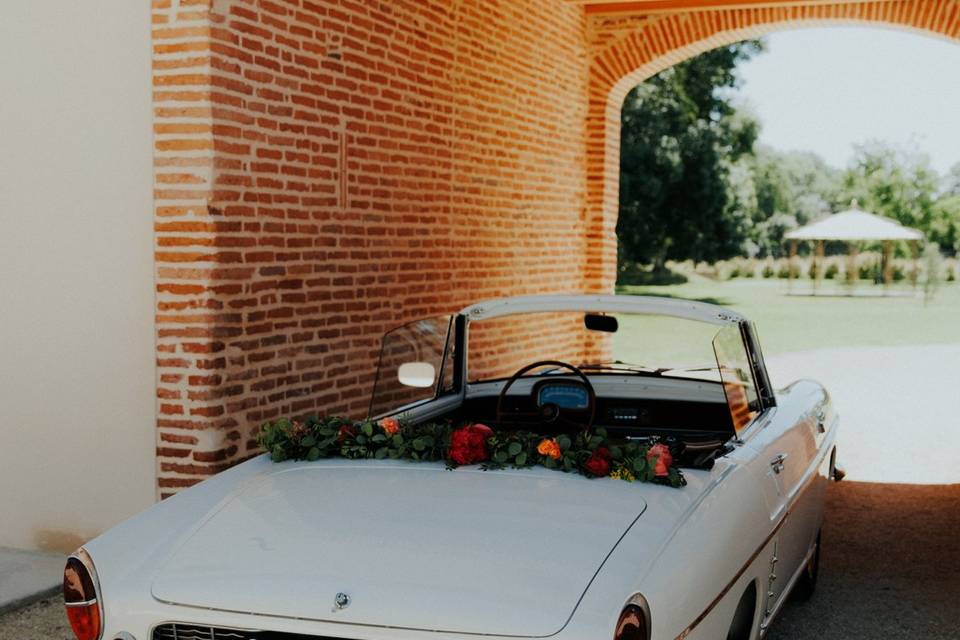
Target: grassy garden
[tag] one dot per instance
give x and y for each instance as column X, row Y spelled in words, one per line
column 798, row 323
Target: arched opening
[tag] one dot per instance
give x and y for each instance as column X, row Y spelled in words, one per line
column 627, row 55
column 899, row 508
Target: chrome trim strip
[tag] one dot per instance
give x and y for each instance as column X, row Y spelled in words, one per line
column 693, row 625
column 638, row 600
column 85, row 603
column 766, row 622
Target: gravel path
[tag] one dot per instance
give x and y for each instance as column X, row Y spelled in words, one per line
column 890, row 566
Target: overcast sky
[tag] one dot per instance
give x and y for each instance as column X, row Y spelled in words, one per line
column 825, row 89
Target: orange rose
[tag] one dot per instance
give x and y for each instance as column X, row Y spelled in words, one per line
column 661, row 453
column 549, row 447
column 390, row 425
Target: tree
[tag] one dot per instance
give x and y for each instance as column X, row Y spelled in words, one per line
column 789, row 189
column 945, row 226
column 680, row 136
column 951, row 182
column 899, row 184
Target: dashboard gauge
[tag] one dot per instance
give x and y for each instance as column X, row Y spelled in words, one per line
column 564, row 395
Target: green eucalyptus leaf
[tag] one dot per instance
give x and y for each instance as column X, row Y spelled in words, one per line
column 521, row 459
column 514, row 449
column 313, row 454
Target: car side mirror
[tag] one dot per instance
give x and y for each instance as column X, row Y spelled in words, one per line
column 417, row 374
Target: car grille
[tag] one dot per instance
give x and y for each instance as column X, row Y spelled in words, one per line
column 178, row 631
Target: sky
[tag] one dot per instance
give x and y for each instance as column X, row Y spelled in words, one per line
column 825, row 89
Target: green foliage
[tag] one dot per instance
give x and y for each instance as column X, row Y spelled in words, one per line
column 693, row 187
column 313, row 438
column 680, row 132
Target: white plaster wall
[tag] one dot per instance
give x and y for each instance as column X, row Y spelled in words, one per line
column 77, row 368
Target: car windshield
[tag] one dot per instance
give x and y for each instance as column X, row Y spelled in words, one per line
column 619, row 343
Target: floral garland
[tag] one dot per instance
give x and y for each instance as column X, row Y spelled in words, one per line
column 591, row 454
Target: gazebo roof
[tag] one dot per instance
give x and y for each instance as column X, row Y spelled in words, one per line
column 852, row 225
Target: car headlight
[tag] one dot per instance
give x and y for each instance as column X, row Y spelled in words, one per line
column 634, row 622
column 81, row 595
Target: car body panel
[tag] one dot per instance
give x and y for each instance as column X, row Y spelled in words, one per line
column 415, row 546
column 427, row 553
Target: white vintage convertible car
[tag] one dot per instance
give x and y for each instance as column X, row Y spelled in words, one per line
column 691, row 506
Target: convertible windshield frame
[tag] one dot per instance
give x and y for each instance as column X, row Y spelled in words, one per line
column 639, row 305
column 643, row 305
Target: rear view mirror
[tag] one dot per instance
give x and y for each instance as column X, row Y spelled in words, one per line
column 599, row 322
column 417, row 374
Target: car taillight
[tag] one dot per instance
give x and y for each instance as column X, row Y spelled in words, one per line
column 632, row 624
column 80, row 597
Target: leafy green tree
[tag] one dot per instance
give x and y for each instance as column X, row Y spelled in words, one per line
column 899, row 184
column 789, row 189
column 945, row 226
column 680, row 136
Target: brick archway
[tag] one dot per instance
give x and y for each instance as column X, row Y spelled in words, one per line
column 630, row 44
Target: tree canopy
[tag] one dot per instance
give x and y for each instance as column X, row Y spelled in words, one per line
column 680, row 135
column 695, row 185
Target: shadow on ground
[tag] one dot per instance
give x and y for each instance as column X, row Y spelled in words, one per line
column 890, row 566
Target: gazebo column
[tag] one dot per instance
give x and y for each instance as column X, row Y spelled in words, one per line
column 915, row 267
column 887, row 263
column 792, row 265
column 852, row 273
column 818, row 264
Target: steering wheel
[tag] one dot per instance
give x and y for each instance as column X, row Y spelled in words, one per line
column 550, row 413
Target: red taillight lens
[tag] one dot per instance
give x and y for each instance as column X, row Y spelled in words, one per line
column 632, row 624
column 85, row 620
column 80, row 597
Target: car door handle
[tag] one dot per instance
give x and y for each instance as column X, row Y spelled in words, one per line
column 777, row 463
column 821, row 420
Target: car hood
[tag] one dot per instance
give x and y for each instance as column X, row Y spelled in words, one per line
column 414, row 546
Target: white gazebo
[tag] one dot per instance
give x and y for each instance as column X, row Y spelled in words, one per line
column 852, row 227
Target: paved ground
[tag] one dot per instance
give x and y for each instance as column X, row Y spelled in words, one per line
column 891, row 556
column 890, row 567
column 24, row 574
column 899, row 409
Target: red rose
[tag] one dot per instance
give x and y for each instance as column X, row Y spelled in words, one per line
column 598, row 464
column 468, row 445
column 346, row 431
column 604, row 453
column 664, row 459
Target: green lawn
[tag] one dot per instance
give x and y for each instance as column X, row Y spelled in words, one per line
column 794, row 323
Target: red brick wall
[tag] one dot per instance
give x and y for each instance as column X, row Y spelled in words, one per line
column 328, row 169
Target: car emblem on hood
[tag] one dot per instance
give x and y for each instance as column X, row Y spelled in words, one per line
column 342, row 600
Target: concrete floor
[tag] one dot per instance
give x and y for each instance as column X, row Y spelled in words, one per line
column 890, row 565
column 899, row 408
